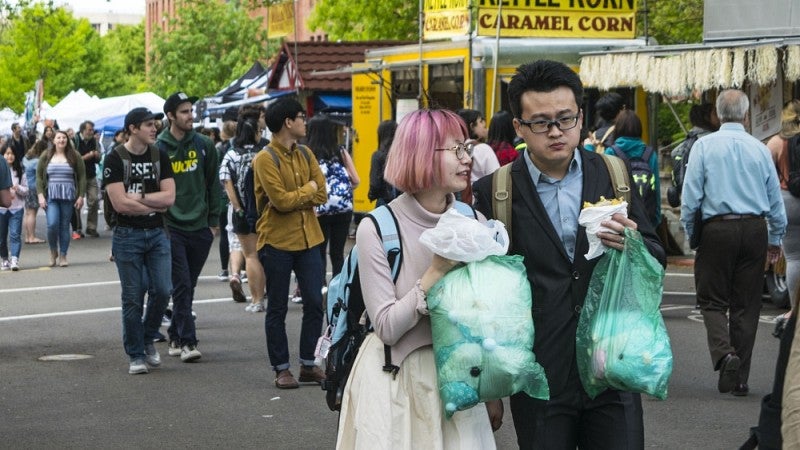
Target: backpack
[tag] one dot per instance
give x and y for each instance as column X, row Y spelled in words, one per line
column 109, row 214
column 793, row 183
column 345, row 309
column 644, row 180
column 239, row 170
column 680, row 159
column 502, row 189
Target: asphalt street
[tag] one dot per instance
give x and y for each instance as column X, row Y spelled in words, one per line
column 84, row 398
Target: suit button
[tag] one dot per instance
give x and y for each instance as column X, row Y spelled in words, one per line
column 578, row 309
column 575, row 275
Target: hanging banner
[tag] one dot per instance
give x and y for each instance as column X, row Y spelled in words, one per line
column 280, row 20
column 608, row 19
column 445, row 19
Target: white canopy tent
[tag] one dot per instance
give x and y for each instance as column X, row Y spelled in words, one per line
column 79, row 108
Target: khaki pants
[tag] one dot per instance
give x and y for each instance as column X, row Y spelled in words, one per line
column 790, row 415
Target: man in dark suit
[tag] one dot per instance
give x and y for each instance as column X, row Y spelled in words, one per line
column 550, row 182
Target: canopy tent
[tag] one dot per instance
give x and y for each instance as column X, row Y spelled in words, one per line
column 254, row 79
column 217, row 110
column 110, row 125
column 104, row 108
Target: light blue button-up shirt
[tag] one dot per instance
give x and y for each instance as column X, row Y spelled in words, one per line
column 561, row 199
column 731, row 172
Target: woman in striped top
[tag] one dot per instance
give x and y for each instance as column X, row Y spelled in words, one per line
column 61, row 184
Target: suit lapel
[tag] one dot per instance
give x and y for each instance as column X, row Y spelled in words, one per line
column 525, row 189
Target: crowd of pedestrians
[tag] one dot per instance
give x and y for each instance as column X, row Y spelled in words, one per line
column 284, row 206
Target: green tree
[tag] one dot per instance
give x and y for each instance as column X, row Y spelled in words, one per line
column 360, row 20
column 48, row 43
column 672, row 21
column 207, row 45
column 123, row 70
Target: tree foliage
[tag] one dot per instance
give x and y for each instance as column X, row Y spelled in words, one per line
column 124, row 60
column 47, row 43
column 358, row 20
column 672, row 21
column 207, row 45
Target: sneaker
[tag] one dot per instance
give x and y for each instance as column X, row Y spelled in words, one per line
column 137, row 366
column 255, row 307
column 236, row 289
column 296, row 298
column 152, row 358
column 223, row 276
column 174, row 349
column 190, row 353
column 76, row 236
column 92, row 233
column 159, row 337
column 165, row 321
column 243, row 276
column 14, row 264
column 5, row 265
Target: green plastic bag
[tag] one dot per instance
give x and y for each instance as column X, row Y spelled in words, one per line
column 483, row 334
column 622, row 342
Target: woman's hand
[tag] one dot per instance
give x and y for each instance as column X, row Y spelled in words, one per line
column 495, row 410
column 438, row 268
column 42, row 202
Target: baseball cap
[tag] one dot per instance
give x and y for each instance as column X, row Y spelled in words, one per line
column 139, row 115
column 176, row 99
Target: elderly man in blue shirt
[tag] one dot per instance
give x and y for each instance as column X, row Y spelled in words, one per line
column 732, row 182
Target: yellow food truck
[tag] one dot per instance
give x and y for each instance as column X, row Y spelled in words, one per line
column 463, row 72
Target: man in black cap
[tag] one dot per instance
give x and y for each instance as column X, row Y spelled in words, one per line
column 139, row 182
column 194, row 218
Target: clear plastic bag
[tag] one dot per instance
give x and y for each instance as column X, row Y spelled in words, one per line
column 464, row 239
column 483, row 334
column 622, row 342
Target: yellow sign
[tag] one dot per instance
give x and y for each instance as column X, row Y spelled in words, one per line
column 445, row 19
column 371, row 104
column 280, row 20
column 611, row 19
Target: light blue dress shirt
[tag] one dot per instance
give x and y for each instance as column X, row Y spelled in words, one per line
column 731, row 172
column 561, row 199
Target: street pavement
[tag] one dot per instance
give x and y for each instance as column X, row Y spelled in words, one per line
column 227, row 399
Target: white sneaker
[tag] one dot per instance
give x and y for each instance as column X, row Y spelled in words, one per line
column 152, row 358
column 255, row 307
column 14, row 263
column 190, row 353
column 137, row 367
column 5, row 265
column 174, row 349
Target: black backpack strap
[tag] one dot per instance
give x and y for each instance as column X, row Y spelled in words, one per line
column 648, row 152
column 125, row 156
column 619, row 153
column 155, row 158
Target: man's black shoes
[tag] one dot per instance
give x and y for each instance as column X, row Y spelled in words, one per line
column 728, row 373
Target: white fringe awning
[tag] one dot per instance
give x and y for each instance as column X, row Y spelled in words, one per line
column 682, row 69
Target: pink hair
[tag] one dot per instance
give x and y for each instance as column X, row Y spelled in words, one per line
column 413, row 165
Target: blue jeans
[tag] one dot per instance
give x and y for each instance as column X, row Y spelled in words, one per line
column 59, row 214
column 189, row 253
column 278, row 266
column 144, row 264
column 10, row 232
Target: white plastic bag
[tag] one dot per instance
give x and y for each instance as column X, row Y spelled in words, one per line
column 591, row 217
column 461, row 238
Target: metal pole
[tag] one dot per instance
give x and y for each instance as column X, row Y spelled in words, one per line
column 419, row 69
column 496, row 56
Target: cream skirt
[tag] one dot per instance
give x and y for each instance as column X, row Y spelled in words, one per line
column 381, row 412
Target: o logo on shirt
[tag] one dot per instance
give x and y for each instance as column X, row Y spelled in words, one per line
column 192, row 154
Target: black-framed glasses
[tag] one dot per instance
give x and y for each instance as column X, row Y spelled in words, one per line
column 462, row 149
column 300, row 116
column 543, row 126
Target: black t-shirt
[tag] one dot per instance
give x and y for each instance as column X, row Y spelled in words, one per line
column 84, row 147
column 142, row 177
